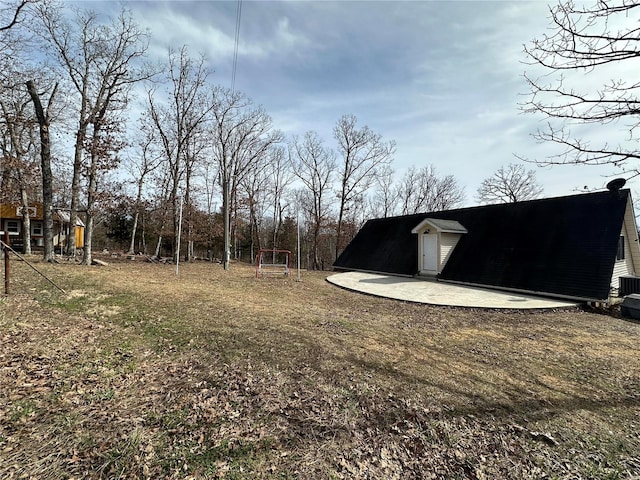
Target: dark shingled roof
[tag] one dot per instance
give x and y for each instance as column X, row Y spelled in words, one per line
column 564, row 246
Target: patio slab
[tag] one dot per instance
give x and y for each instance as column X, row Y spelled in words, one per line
column 438, row 293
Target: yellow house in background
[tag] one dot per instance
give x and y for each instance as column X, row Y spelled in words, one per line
column 11, row 220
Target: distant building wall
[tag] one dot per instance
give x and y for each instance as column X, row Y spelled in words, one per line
column 10, row 215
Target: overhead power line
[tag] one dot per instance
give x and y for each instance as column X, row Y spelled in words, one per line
column 235, row 47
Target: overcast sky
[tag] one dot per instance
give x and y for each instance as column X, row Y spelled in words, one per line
column 442, row 79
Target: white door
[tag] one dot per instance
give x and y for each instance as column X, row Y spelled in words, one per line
column 430, row 252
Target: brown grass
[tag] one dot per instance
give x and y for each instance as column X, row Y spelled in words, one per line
column 139, row 373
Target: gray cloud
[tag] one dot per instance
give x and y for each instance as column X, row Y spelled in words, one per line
column 441, row 78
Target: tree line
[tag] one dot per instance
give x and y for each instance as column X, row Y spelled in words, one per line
column 205, row 160
column 201, row 157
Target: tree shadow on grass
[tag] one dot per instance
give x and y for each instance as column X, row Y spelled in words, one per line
column 510, row 399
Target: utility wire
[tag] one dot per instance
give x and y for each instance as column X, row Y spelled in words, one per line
column 235, row 48
column 8, row 247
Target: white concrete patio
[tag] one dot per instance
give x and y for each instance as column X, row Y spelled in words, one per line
column 438, row 293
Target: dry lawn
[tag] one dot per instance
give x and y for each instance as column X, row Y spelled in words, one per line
column 139, row 373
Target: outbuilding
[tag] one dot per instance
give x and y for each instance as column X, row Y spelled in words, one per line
column 575, row 247
column 11, row 220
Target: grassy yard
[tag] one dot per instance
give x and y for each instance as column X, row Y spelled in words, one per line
column 138, row 373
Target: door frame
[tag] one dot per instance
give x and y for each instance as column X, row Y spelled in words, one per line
column 430, row 249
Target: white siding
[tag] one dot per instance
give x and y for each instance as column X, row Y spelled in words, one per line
column 631, row 248
column 632, row 238
column 622, row 267
column 448, row 241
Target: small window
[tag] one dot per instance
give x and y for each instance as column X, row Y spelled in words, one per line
column 620, row 252
column 36, row 228
column 13, row 226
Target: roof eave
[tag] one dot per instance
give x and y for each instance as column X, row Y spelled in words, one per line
column 520, row 290
column 428, row 221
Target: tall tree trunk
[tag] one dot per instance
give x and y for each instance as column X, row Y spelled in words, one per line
column 88, row 239
column 254, row 230
column 135, row 217
column 276, row 225
column 174, row 216
column 45, row 160
column 234, row 217
column 92, row 190
column 26, row 221
column 133, row 233
column 75, row 190
column 226, row 213
column 187, row 203
column 88, row 234
column 143, row 237
column 158, row 245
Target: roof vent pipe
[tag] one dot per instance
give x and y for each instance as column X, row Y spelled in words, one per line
column 615, row 185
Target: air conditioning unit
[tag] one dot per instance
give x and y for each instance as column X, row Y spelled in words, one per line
column 630, row 306
column 629, row 285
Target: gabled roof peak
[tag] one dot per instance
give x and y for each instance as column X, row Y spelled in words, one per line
column 444, row 226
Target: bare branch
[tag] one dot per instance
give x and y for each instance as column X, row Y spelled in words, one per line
column 422, row 190
column 583, row 42
column 508, row 185
column 363, row 153
column 15, row 11
column 314, row 165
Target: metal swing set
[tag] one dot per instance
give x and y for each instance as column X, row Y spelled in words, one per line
column 269, row 261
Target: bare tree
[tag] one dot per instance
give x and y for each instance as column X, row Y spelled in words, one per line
column 210, row 176
column 362, row 153
column 254, row 185
column 421, row 190
column 509, row 184
column 18, row 153
column 314, row 165
column 587, row 43
column 101, row 62
column 280, row 177
column 385, row 193
column 140, row 165
column 243, row 135
column 176, row 122
column 21, row 168
column 447, row 194
column 162, row 207
column 102, row 147
column 44, row 120
column 195, row 155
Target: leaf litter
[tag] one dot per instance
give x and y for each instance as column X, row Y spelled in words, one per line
column 216, row 374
